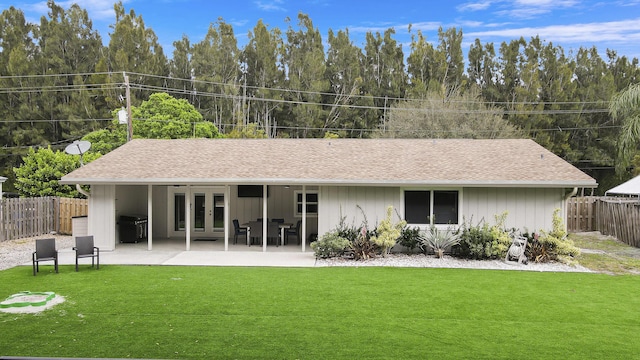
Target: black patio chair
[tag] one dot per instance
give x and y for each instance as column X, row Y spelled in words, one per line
column 84, row 248
column 255, row 229
column 238, row 231
column 293, row 231
column 45, row 251
column 273, row 233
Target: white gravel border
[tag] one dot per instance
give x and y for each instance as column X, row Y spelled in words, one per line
column 430, row 261
column 18, row 252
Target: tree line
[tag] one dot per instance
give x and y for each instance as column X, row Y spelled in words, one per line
column 59, row 83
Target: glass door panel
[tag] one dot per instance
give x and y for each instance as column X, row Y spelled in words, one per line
column 179, row 213
column 218, row 212
column 200, row 211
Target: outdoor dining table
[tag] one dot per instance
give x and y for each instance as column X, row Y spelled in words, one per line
column 281, row 226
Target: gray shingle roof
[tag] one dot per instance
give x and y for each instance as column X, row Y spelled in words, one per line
column 462, row 162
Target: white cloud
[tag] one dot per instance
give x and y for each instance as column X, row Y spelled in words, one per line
column 97, row 9
column 532, row 8
column 273, row 5
column 474, row 6
column 622, row 31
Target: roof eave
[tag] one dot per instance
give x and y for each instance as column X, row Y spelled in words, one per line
column 333, row 182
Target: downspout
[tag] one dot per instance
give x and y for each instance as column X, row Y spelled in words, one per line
column 564, row 204
column 571, row 194
column 81, row 191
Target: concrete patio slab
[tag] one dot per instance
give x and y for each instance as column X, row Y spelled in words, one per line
column 131, row 256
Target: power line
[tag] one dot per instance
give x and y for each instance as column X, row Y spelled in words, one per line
column 288, row 91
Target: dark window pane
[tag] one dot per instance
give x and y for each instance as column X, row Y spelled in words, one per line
column 445, row 207
column 416, row 207
column 312, row 208
column 312, row 198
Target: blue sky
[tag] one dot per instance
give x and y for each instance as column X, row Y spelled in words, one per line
column 613, row 24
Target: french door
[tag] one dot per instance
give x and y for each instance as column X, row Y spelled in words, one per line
column 207, row 212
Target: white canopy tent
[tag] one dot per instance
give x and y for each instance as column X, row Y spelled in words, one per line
column 629, row 188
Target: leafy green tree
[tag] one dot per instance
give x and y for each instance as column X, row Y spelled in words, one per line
column 216, row 61
column 181, row 68
column 450, row 61
column 625, row 107
column 461, row 116
column 345, row 73
column 482, row 70
column 421, row 65
column 263, row 75
column 306, row 67
column 160, row 117
column 67, row 44
column 134, row 48
column 250, row 131
column 41, row 170
column 384, row 74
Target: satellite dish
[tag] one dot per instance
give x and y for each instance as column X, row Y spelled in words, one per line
column 78, row 148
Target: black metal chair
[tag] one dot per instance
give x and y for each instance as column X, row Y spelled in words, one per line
column 255, row 230
column 293, row 231
column 238, row 231
column 45, row 251
column 84, row 248
column 273, row 232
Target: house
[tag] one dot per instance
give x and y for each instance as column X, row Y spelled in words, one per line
column 195, row 187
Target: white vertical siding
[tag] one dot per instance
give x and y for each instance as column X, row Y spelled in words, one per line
column 528, row 209
column 347, row 201
column 131, row 199
column 102, row 216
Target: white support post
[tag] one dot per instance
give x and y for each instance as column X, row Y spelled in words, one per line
column 149, row 217
column 264, row 218
column 187, row 215
column 303, row 233
column 227, row 192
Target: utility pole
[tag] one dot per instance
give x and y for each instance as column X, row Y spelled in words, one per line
column 128, row 96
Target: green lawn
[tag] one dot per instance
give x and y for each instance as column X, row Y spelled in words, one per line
column 323, row 313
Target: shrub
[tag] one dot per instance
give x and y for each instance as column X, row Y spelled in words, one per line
column 552, row 246
column 330, row 245
column 410, row 238
column 387, row 233
column 481, row 241
column 439, row 240
column 362, row 248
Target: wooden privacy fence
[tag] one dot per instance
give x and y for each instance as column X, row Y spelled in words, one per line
column 28, row 217
column 68, row 209
column 581, row 214
column 615, row 216
column 619, row 218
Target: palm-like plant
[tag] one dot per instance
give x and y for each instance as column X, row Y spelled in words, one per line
column 439, row 240
column 626, row 106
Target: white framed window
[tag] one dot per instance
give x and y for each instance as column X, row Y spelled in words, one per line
column 312, row 203
column 424, row 206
